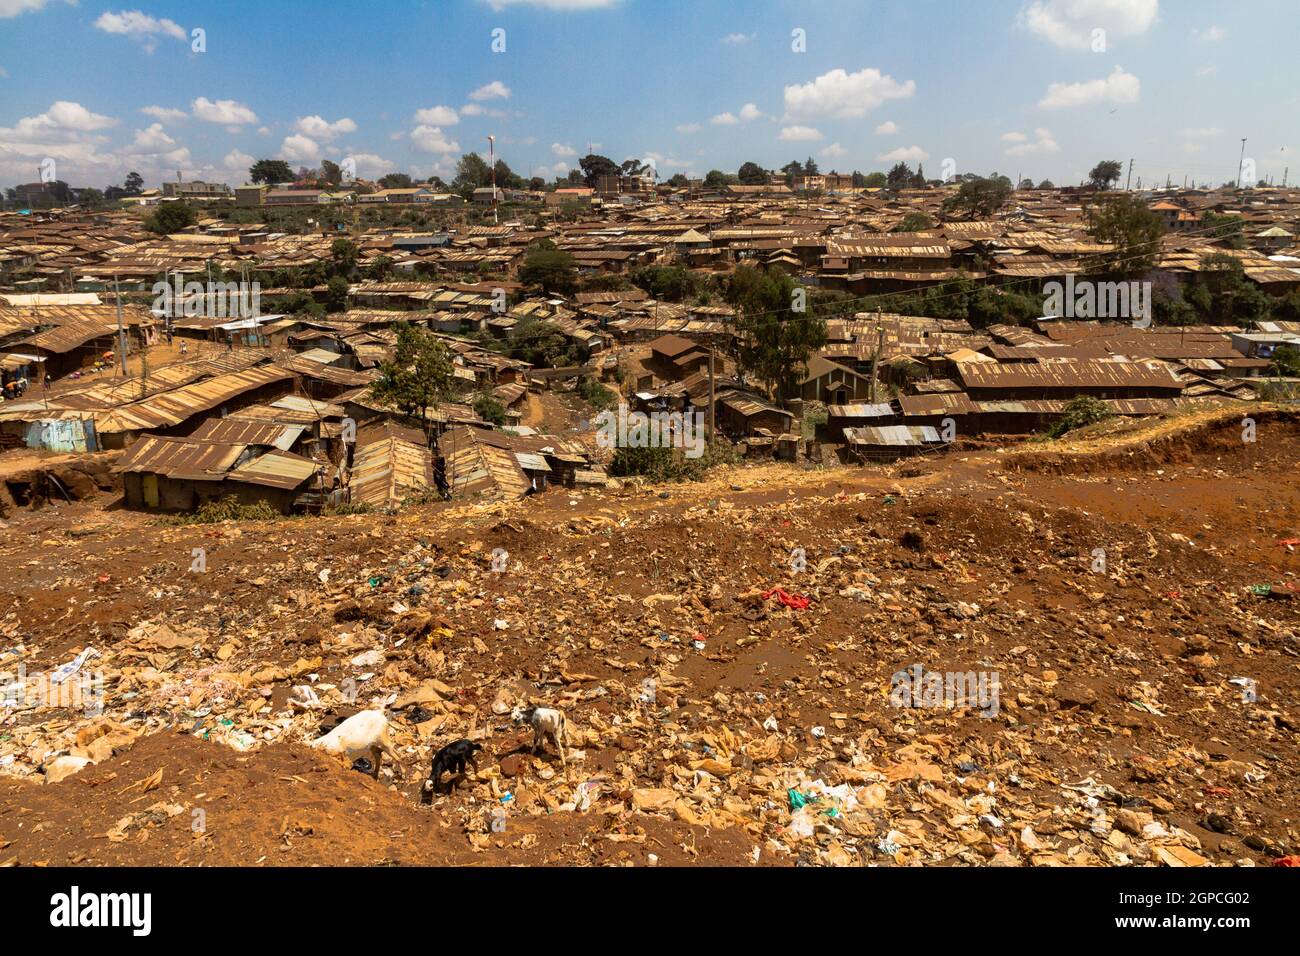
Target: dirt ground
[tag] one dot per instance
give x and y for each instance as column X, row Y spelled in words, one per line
column 1134, row 595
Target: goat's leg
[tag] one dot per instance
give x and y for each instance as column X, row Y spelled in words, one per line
column 374, row 760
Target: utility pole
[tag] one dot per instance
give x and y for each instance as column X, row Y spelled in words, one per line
column 1241, row 161
column 712, row 401
column 875, row 357
column 1129, row 181
column 121, row 332
column 492, row 158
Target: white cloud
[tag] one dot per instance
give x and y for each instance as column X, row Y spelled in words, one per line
column 67, row 132
column 1042, row 143
column 559, row 149
column 16, row 8
column 798, row 134
column 748, row 113
column 474, row 109
column 141, row 26
column 431, row 139
column 1200, row 132
column 834, row 151
column 559, row 169
column 903, row 154
column 370, row 165
column 888, row 128
column 437, row 116
column 166, row 114
column 738, row 39
column 299, row 148
column 496, row 90
column 689, row 128
column 235, row 160
column 554, row 4
column 1208, row 70
column 1209, row 34
column 226, row 112
column 1119, row 87
column 152, row 140
column 842, row 95
column 1192, row 147
column 319, row 128
column 1069, row 23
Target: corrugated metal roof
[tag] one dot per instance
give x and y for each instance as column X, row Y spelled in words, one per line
column 170, row 408
column 892, row 435
column 184, row 458
column 861, row 410
column 275, row 469
column 1082, row 374
column 939, row 403
column 245, row 432
column 475, row 468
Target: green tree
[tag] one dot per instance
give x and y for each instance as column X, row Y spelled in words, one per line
column 875, row 180
column 330, row 172
column 979, row 197
column 336, row 294
column 752, row 174
column 472, row 172
column 345, row 253
column 1226, row 228
column 1286, row 361
column 270, row 171
column 792, row 169
column 914, row 222
column 669, row 283
column 395, row 181
column 488, row 409
column 1105, row 174
column 594, row 166
column 715, row 179
column 1133, row 232
column 899, row 177
column 541, row 344
column 418, row 377
column 550, row 270
column 133, row 184
column 772, row 341
column 170, row 217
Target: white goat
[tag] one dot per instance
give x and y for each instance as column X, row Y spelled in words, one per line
column 545, row 722
column 361, row 734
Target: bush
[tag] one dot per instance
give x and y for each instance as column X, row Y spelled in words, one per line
column 487, row 408
column 228, row 508
column 595, row 394
column 670, row 464
column 1080, row 413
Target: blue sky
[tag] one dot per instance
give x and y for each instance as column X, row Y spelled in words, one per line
column 1020, row 87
